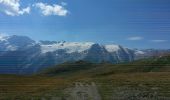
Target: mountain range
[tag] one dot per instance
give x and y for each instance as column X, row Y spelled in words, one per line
column 22, row 55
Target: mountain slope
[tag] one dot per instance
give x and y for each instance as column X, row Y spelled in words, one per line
column 22, row 55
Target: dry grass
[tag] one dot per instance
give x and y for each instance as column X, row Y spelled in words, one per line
column 135, row 81
column 25, row 87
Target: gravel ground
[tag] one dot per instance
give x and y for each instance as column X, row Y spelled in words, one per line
column 83, row 92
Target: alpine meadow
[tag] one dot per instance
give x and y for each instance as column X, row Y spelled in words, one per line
column 84, row 50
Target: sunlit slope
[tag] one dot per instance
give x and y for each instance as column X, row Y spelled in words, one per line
column 156, row 64
column 148, row 79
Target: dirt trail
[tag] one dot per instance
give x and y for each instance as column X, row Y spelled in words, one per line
column 83, row 92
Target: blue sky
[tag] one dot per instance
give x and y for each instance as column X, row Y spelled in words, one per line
column 131, row 23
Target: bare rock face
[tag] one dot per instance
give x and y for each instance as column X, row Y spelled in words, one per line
column 83, row 92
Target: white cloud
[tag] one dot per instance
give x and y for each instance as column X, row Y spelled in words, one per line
column 159, row 41
column 135, row 38
column 12, row 8
column 54, row 9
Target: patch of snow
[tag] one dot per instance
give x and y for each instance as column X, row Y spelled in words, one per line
column 138, row 52
column 70, row 47
column 11, row 48
column 57, row 54
column 3, row 37
column 112, row 48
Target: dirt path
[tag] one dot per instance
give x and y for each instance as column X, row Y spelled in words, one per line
column 83, row 92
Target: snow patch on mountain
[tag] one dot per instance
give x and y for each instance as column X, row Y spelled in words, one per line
column 112, row 48
column 138, row 52
column 70, row 47
column 11, row 48
column 3, row 37
column 14, row 42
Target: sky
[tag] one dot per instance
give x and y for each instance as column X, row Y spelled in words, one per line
column 130, row 23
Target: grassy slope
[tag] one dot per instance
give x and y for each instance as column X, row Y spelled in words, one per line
column 161, row 64
column 145, row 75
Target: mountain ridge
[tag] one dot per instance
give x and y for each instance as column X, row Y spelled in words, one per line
column 22, row 55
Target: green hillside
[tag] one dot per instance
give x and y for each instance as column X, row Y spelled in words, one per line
column 147, row 79
column 157, row 64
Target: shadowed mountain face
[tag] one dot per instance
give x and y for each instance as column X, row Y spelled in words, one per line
column 22, row 55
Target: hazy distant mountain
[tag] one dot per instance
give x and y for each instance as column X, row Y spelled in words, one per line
column 22, row 55
column 146, row 53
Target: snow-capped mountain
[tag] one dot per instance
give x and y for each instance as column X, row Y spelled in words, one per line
column 14, row 43
column 22, row 55
column 70, row 47
column 87, row 51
